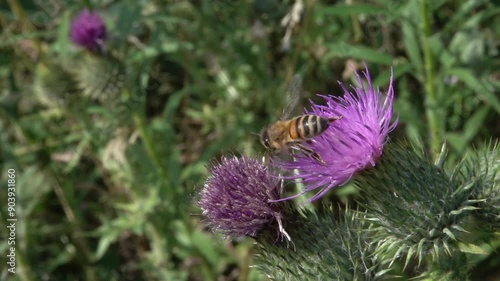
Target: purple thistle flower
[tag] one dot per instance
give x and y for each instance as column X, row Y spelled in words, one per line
column 88, row 30
column 236, row 198
column 350, row 144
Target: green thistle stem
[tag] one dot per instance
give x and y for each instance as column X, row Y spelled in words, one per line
column 433, row 115
column 148, row 143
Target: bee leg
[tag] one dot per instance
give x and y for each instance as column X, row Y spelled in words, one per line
column 282, row 186
column 335, row 118
column 266, row 158
column 309, row 152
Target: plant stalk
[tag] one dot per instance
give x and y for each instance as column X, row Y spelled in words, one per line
column 148, row 143
column 432, row 112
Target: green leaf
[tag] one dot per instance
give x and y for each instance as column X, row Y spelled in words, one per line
column 441, row 52
column 344, row 50
column 205, row 245
column 103, row 245
column 447, row 248
column 62, row 42
column 475, row 122
column 347, row 10
column 108, row 233
column 481, row 16
column 409, row 255
column 412, row 44
column 467, row 208
column 468, row 77
column 399, row 70
column 463, row 12
column 469, row 45
column 449, row 233
column 61, row 258
column 471, row 249
column 459, row 141
column 30, row 198
column 77, row 154
column 397, row 254
column 436, row 249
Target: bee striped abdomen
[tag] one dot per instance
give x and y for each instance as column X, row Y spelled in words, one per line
column 307, row 126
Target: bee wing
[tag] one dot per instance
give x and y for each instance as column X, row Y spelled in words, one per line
column 292, row 96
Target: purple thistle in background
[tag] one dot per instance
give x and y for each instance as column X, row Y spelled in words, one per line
column 88, row 30
column 236, row 198
column 350, row 144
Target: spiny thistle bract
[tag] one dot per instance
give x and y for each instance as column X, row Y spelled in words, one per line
column 451, row 268
column 236, row 198
column 350, row 144
column 99, row 77
column 487, row 173
column 418, row 208
column 324, row 248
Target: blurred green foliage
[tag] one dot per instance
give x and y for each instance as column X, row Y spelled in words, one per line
column 110, row 150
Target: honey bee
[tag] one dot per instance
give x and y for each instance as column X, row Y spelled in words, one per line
column 287, row 133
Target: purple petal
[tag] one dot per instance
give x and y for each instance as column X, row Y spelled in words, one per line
column 88, row 30
column 236, row 197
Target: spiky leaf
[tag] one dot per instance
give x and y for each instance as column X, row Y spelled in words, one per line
column 488, row 193
column 52, row 85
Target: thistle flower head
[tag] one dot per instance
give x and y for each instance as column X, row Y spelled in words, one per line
column 236, row 197
column 88, row 30
column 350, row 144
column 418, row 208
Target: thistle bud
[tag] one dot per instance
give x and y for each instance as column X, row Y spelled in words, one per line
column 88, row 30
